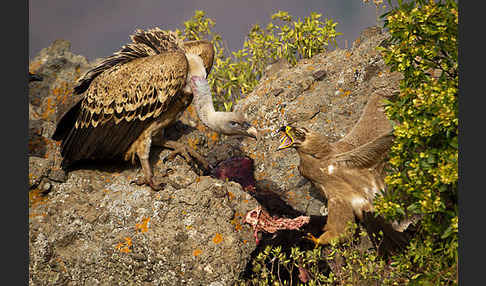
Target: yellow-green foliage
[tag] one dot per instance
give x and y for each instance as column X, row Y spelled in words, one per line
column 273, row 266
column 237, row 74
column 347, row 263
column 423, row 180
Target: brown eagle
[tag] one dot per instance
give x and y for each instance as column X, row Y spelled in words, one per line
column 349, row 172
column 137, row 92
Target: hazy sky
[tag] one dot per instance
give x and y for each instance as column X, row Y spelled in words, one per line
column 97, row 28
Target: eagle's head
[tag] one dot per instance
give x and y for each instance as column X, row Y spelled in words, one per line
column 292, row 137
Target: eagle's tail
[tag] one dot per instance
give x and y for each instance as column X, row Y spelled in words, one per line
column 392, row 240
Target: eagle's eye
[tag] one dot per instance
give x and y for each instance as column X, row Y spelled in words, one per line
column 299, row 134
column 234, row 124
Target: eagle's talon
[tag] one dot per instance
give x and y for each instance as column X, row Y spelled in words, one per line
column 312, row 238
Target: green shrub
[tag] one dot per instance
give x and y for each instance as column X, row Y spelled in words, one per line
column 423, row 180
column 237, row 73
column 351, row 262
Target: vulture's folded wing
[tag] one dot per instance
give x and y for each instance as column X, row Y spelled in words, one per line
column 120, row 103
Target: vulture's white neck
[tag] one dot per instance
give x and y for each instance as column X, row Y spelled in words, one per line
column 203, row 102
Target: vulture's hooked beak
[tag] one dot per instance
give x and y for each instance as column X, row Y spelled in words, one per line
column 286, row 140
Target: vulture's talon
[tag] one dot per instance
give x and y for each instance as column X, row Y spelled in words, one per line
column 186, row 152
column 140, row 181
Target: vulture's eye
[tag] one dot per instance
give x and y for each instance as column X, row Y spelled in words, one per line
column 246, row 125
column 234, row 124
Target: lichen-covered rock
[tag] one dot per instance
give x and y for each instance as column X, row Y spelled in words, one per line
column 39, row 168
column 98, row 226
column 59, row 69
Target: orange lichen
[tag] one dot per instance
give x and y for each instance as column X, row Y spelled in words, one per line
column 236, row 221
column 49, row 109
column 61, row 263
column 34, row 66
column 124, row 247
column 143, row 226
column 36, row 198
column 33, row 215
column 193, row 143
column 214, row 137
column 231, row 196
column 348, row 55
column 197, row 252
column 36, row 143
column 218, row 238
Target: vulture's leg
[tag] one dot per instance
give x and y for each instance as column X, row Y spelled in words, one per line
column 186, row 152
column 142, row 149
column 148, row 177
column 340, row 215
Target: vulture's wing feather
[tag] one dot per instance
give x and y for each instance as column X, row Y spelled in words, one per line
column 144, row 44
column 367, row 155
column 120, row 103
column 372, row 123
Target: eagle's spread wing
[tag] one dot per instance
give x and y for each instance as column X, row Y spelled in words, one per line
column 367, row 155
column 122, row 96
column 372, row 124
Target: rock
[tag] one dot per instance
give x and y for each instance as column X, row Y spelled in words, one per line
column 122, row 234
column 319, row 75
column 37, row 143
column 38, row 169
column 277, row 66
column 58, row 175
column 59, row 69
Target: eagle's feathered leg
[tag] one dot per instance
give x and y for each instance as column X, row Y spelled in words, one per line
column 340, row 215
column 186, row 152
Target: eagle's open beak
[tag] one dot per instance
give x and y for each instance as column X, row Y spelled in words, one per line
column 252, row 131
column 286, row 140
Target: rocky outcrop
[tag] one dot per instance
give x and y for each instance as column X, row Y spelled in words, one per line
column 91, row 226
